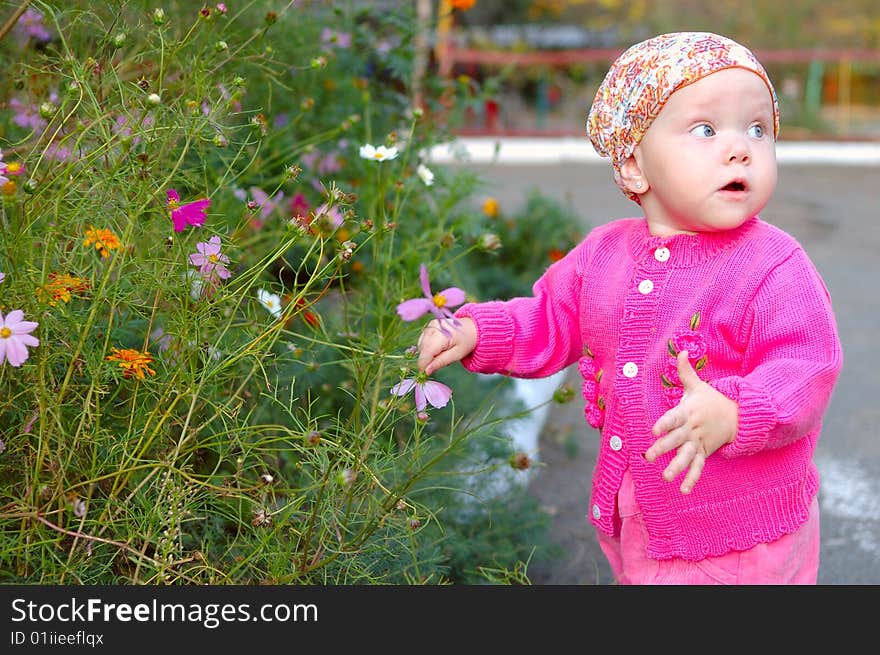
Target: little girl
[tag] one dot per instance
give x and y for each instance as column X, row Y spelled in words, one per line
column 705, row 336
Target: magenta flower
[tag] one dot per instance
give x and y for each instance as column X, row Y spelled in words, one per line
column 15, row 337
column 427, row 391
column 209, row 259
column 438, row 304
column 192, row 213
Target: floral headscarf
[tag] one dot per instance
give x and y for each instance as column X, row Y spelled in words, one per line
column 641, row 80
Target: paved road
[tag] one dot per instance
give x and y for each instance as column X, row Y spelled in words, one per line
column 834, row 211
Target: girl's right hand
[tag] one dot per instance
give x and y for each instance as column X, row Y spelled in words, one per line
column 438, row 348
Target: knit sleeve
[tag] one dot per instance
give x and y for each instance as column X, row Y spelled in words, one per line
column 792, row 360
column 533, row 336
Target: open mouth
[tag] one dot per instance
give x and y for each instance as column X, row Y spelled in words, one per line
column 736, row 185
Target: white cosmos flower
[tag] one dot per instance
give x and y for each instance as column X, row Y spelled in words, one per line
column 425, row 174
column 381, row 153
column 270, row 301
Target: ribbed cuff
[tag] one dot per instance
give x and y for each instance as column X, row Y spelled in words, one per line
column 495, row 331
column 757, row 416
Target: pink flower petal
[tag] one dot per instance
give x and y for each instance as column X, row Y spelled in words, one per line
column 410, row 310
column 426, row 284
column 420, row 397
column 454, row 296
column 16, row 353
column 436, row 393
column 403, row 388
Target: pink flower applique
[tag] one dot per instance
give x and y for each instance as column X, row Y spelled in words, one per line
column 594, row 408
column 691, row 341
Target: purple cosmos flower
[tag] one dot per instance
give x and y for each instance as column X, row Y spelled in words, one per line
column 209, row 259
column 26, row 115
column 30, row 23
column 335, row 39
column 192, row 213
column 438, row 304
column 426, row 391
column 15, row 337
column 2, row 277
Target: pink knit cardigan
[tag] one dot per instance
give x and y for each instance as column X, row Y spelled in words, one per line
column 756, row 318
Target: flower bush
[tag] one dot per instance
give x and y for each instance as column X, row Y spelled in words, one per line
column 208, row 219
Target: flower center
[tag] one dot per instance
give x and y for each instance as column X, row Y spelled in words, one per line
column 439, row 300
column 173, row 204
column 212, row 259
column 5, row 332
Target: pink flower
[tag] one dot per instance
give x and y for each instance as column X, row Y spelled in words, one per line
column 427, row 391
column 594, row 414
column 209, row 259
column 673, row 395
column 15, row 337
column 192, row 213
column 299, row 206
column 590, row 389
column 692, row 342
column 438, row 304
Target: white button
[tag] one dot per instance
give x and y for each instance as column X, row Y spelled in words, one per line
column 630, row 369
column 597, row 513
column 615, row 442
column 646, row 287
column 661, row 254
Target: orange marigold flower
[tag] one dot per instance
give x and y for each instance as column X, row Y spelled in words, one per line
column 462, row 5
column 490, row 207
column 132, row 362
column 104, row 240
column 60, row 287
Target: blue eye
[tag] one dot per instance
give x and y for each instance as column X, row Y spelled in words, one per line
column 756, row 131
column 703, row 130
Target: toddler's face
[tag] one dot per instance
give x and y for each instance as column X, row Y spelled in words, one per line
column 708, row 161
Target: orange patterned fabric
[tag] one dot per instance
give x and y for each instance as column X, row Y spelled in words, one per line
column 641, row 80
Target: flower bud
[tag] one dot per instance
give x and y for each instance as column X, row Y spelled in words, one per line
column 220, row 46
column 158, row 16
column 154, row 99
column 47, row 110
column 346, row 477
column 30, row 186
column 220, row 141
column 490, row 241
column 119, row 39
column 563, row 394
column 520, row 461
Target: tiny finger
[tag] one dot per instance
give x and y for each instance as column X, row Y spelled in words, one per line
column 694, row 472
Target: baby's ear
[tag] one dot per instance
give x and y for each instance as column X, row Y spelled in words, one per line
column 631, row 174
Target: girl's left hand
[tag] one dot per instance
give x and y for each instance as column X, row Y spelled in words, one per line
column 703, row 421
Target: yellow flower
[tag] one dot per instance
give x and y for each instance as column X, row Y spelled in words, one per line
column 60, row 287
column 104, row 240
column 132, row 362
column 490, row 207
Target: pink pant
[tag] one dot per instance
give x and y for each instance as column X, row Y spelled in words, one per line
column 792, row 559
